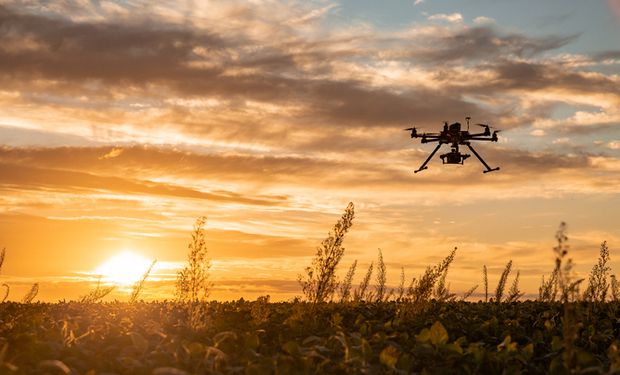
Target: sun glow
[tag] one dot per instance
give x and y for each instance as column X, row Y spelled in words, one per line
column 125, row 268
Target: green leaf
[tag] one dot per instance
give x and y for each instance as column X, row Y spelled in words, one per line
column 292, row 348
column 389, row 356
column 139, row 342
column 438, row 334
column 424, row 336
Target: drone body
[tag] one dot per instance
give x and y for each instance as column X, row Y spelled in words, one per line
column 453, row 135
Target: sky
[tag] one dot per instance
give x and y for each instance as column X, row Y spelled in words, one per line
column 121, row 122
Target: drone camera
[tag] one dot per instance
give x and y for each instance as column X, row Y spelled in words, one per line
column 454, row 157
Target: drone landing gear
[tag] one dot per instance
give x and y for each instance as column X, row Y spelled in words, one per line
column 489, row 169
column 423, row 167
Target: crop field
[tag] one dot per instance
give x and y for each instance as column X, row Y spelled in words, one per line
column 296, row 337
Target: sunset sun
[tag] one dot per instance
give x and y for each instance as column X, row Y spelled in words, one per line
column 124, row 268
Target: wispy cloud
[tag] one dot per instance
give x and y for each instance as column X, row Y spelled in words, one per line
column 452, row 17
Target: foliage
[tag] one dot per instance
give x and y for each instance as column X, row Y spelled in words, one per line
column 139, row 285
column 193, row 283
column 319, row 283
column 262, row 337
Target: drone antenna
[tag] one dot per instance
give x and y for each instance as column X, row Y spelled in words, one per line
column 467, row 118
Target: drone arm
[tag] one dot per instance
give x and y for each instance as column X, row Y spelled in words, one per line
column 476, row 137
column 423, row 167
column 489, row 169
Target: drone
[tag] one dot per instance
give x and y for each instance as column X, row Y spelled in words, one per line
column 454, row 136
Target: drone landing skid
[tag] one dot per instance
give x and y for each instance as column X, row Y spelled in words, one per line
column 491, row 170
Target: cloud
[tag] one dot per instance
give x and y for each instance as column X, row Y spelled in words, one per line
column 115, row 152
column 482, row 20
column 452, row 17
column 613, row 145
column 38, row 178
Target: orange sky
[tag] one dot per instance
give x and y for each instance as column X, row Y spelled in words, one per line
column 120, row 124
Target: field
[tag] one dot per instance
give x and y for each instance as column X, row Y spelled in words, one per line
column 295, row 337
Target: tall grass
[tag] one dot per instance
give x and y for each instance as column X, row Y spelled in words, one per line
column 401, row 285
column 501, row 285
column 345, row 286
column 422, row 289
column 485, row 280
column 362, row 293
column 32, row 293
column 192, row 284
column 319, row 282
column 97, row 294
column 598, row 286
column 6, row 287
column 139, row 285
column 381, row 278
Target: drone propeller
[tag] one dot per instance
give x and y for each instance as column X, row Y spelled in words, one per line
column 484, row 126
column 414, row 132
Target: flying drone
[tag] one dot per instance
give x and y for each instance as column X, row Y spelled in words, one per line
column 454, row 136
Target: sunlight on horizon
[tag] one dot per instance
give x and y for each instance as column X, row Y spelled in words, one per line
column 124, row 268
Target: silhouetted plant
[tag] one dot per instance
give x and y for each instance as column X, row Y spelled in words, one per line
column 442, row 291
column 192, row 283
column 345, row 286
column 514, row 293
column 468, row 293
column 319, row 284
column 501, row 285
column 361, row 293
column 6, row 292
column 564, row 266
column 401, row 285
column 423, row 288
column 6, row 287
column 381, row 278
column 598, row 286
column 32, row 293
column 485, row 280
column 97, row 294
column 139, row 285
column 615, row 288
column 260, row 310
column 548, row 290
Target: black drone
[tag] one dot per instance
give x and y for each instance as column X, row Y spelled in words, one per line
column 454, row 136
